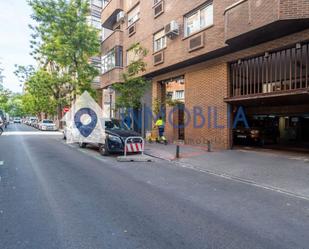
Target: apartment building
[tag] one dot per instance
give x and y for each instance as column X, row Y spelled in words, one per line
column 94, row 19
column 216, row 56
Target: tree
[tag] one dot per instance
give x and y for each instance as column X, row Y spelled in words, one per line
column 15, row 106
column 48, row 91
column 63, row 38
column 31, row 104
column 5, row 96
column 23, row 73
column 130, row 92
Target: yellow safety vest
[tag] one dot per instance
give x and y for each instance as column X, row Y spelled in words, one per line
column 159, row 122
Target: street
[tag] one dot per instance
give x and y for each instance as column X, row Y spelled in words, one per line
column 54, row 196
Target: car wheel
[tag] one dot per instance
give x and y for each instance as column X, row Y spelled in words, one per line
column 82, row 145
column 103, row 150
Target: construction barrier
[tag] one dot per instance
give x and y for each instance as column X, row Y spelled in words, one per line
column 131, row 146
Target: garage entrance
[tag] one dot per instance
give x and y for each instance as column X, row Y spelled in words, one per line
column 273, row 89
column 289, row 131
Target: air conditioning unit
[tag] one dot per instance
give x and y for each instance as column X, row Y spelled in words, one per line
column 172, row 29
column 120, row 16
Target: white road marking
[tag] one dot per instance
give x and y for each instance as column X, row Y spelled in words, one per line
column 32, row 133
column 1, row 163
column 245, row 181
column 217, row 174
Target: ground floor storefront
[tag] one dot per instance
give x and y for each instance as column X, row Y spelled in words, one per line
column 269, row 83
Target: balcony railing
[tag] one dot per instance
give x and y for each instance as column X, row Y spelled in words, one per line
column 277, row 72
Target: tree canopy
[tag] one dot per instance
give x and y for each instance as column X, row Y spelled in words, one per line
column 62, row 37
column 63, row 42
column 130, row 92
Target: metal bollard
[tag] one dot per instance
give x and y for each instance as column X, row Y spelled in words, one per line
column 208, row 146
column 177, row 151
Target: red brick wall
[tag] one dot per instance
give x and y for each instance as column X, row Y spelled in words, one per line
column 291, row 9
column 207, row 88
column 206, row 84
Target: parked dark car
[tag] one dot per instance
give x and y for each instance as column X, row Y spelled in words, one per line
column 113, row 140
column 260, row 133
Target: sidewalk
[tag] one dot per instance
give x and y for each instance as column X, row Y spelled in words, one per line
column 285, row 172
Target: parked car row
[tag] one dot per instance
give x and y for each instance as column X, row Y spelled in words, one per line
column 43, row 125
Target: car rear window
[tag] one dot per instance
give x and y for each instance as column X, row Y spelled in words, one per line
column 47, row 121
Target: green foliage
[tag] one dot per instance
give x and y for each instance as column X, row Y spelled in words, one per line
column 64, row 37
column 15, row 106
column 172, row 103
column 5, row 96
column 23, row 73
column 130, row 92
column 63, row 43
column 47, row 90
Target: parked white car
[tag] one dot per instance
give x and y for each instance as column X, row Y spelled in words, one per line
column 17, row 120
column 47, row 125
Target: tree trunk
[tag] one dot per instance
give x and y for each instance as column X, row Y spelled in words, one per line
column 59, row 115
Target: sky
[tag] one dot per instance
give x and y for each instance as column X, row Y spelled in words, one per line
column 14, row 40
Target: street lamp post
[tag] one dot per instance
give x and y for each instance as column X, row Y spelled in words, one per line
column 111, row 91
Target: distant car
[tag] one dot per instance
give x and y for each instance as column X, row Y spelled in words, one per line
column 35, row 123
column 31, row 121
column 47, row 125
column 17, row 121
column 113, row 139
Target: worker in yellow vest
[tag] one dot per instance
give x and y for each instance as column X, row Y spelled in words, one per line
column 160, row 125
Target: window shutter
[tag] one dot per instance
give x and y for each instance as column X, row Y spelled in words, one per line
column 196, row 42
column 159, row 9
column 158, row 58
column 132, row 30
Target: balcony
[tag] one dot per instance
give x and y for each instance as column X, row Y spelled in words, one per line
column 253, row 21
column 111, row 77
column 115, row 39
column 109, row 13
column 275, row 74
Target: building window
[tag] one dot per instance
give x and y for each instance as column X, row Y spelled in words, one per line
column 159, row 41
column 105, row 3
column 112, row 59
column 169, row 95
column 180, row 94
column 133, row 15
column 199, row 19
column 131, row 57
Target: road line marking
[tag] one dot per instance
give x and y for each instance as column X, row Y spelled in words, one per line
column 1, row 163
column 31, row 133
column 245, row 181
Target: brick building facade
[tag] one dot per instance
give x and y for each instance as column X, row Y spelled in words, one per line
column 227, row 53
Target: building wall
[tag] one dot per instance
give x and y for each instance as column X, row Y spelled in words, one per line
column 207, row 85
column 177, row 49
column 228, row 21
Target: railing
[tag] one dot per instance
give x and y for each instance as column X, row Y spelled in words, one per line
column 274, row 72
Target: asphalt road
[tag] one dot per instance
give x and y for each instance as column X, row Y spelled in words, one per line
column 53, row 195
